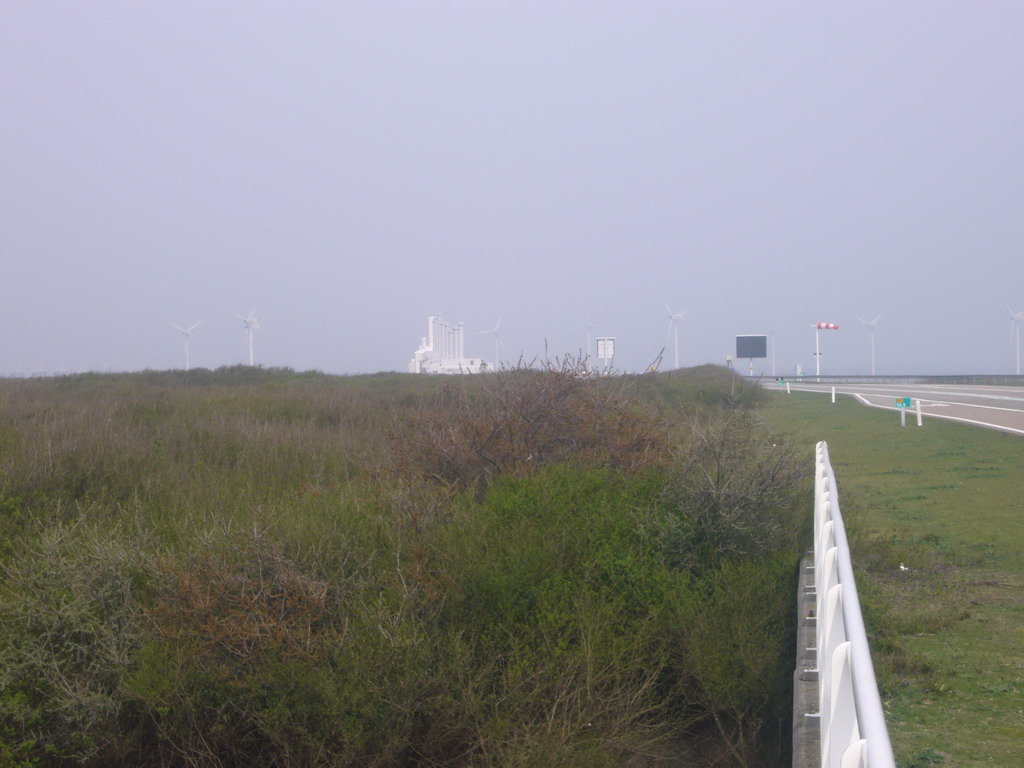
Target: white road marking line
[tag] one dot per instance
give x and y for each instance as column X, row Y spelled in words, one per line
column 975, row 422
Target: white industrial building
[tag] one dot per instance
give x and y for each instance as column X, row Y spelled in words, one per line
column 442, row 351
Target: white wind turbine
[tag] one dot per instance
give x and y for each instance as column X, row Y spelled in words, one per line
column 771, row 334
column 187, row 332
column 872, row 327
column 251, row 324
column 673, row 327
column 588, row 326
column 1016, row 318
column 497, row 339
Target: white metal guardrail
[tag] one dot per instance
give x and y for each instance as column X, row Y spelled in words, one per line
column 853, row 729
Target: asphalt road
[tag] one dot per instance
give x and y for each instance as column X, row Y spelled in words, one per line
column 993, row 407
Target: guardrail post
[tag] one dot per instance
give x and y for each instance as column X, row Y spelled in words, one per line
column 843, row 730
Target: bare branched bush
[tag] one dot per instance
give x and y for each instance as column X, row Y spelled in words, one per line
column 513, row 422
column 240, row 607
column 219, row 626
column 739, row 491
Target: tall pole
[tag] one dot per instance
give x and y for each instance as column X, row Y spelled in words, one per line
column 675, row 324
column 872, row 351
column 186, row 353
column 817, row 351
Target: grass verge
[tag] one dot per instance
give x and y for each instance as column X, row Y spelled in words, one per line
column 946, row 502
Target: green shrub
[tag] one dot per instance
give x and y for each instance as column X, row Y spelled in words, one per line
column 557, row 597
column 738, row 642
column 687, row 390
column 224, row 622
column 70, row 618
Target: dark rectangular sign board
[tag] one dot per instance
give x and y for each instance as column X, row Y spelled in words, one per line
column 751, row 346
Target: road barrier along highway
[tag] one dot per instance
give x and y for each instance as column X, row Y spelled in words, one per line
column 1002, row 380
column 853, row 729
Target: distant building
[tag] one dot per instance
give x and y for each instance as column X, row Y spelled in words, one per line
column 442, row 351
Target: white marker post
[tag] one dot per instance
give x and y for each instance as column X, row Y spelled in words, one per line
column 919, row 412
column 903, row 403
column 833, row 395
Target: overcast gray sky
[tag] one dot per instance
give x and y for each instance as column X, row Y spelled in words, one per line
column 354, row 167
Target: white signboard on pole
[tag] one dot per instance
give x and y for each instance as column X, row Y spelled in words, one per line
column 606, row 350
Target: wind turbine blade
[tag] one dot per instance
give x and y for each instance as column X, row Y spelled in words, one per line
column 877, row 318
column 196, row 325
column 667, row 307
column 179, row 327
column 586, row 325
